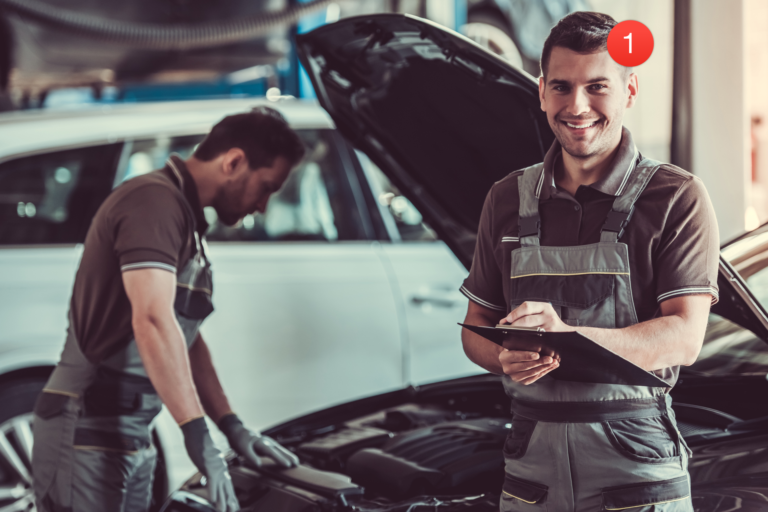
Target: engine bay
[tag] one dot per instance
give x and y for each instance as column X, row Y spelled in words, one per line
column 438, row 447
column 402, row 458
column 406, row 451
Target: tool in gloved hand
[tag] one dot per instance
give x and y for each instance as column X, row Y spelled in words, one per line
column 249, row 444
column 210, row 461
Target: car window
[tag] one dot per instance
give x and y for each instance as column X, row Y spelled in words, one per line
column 407, row 218
column 51, row 198
column 315, row 204
column 144, row 156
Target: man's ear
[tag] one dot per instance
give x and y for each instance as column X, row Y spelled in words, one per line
column 633, row 87
column 231, row 160
column 542, row 84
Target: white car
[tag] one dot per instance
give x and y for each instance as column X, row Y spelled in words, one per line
column 337, row 292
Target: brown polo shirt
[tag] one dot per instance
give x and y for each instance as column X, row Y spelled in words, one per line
column 672, row 237
column 147, row 222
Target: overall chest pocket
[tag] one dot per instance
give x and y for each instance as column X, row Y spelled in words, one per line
column 579, row 299
column 194, row 291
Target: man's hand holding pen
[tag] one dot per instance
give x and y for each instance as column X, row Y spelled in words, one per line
column 528, row 366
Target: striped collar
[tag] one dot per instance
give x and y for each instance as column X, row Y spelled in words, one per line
column 612, row 183
column 178, row 169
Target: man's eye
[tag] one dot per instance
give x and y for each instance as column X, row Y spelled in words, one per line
column 559, row 88
column 598, row 87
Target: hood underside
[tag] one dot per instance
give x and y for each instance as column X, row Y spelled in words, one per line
column 443, row 117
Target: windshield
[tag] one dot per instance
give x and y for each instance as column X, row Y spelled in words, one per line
column 730, row 349
column 749, row 257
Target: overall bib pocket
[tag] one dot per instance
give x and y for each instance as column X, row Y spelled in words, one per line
column 663, row 496
column 194, row 286
column 518, row 438
column 647, row 440
column 519, row 494
column 579, row 299
column 193, row 300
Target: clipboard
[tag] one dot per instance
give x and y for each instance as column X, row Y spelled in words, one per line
column 581, row 359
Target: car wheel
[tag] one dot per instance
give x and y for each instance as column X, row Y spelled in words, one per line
column 17, row 399
column 490, row 32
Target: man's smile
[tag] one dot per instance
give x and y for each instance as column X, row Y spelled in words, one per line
column 580, row 126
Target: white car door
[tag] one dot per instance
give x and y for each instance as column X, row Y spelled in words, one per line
column 46, row 205
column 305, row 316
column 428, row 277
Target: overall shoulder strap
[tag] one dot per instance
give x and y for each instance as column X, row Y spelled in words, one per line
column 624, row 204
column 529, row 187
column 193, row 239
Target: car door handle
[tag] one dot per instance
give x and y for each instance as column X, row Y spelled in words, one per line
column 440, row 299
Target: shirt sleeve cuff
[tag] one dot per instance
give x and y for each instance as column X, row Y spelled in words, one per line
column 148, row 264
column 474, row 298
column 691, row 290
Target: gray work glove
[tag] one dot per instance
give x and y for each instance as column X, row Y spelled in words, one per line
column 249, row 444
column 210, row 461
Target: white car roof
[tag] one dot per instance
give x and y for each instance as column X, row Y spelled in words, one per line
column 31, row 132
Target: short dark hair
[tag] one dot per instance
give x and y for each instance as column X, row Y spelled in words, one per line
column 582, row 32
column 263, row 134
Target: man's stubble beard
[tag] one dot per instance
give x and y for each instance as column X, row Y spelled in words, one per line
column 222, row 203
column 599, row 145
column 581, row 154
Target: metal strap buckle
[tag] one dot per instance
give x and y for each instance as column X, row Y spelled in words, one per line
column 529, row 226
column 617, row 221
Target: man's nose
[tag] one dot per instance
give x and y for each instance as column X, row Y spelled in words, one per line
column 579, row 103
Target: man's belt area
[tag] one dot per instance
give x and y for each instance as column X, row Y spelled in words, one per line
column 114, row 393
column 589, row 412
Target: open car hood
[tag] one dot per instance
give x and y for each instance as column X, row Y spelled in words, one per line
column 445, row 119
column 440, row 115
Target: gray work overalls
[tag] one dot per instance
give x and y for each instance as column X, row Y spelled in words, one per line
column 578, row 446
column 92, row 443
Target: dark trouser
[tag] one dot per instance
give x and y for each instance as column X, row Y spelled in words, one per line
column 74, row 471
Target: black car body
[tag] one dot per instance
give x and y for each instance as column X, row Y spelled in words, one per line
column 445, row 119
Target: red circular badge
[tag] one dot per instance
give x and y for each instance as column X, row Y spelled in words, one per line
column 630, row 43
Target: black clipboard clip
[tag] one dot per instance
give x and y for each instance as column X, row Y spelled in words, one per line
column 521, row 330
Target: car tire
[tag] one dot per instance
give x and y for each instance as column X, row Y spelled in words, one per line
column 17, row 399
column 491, row 31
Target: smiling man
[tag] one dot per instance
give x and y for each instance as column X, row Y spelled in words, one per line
column 602, row 240
column 142, row 290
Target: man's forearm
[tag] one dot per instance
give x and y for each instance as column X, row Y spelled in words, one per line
column 207, row 381
column 673, row 338
column 652, row 345
column 164, row 353
column 482, row 352
column 479, row 350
